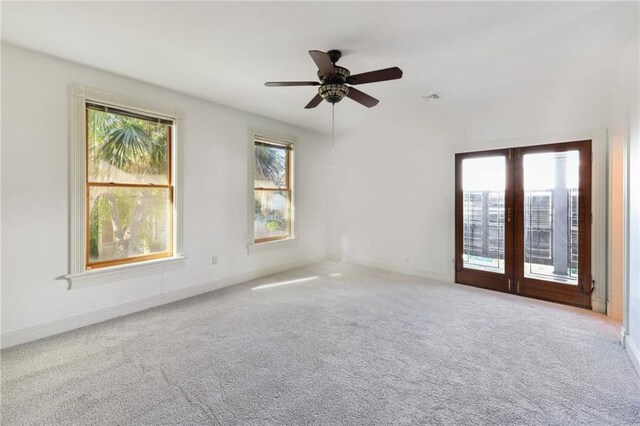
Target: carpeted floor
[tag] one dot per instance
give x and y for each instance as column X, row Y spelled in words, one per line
column 331, row 344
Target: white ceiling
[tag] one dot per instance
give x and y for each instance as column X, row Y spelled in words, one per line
column 224, row 52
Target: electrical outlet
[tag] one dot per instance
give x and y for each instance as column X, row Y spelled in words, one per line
column 214, row 260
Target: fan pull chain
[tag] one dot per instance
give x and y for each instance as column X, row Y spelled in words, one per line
column 333, row 136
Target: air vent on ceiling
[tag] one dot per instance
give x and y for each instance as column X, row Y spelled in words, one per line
column 432, row 97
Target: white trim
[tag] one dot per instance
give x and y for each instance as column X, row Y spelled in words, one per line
column 77, row 157
column 117, row 100
column 124, row 272
column 178, row 183
column 599, row 209
column 626, row 228
column 77, row 172
column 254, row 132
column 598, row 304
column 271, row 245
column 49, row 329
column 633, row 351
column 599, row 194
column 612, row 165
column 530, row 141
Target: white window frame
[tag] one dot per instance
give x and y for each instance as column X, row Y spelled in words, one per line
column 292, row 240
column 78, row 275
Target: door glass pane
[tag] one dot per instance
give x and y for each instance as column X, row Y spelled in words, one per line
column 551, row 216
column 483, row 186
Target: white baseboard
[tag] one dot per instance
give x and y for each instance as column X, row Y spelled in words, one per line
column 598, row 304
column 408, row 270
column 56, row 327
column 336, row 257
column 633, row 351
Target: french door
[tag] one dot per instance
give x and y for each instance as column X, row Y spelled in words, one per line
column 523, row 221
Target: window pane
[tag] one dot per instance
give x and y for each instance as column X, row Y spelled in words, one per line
column 551, row 216
column 126, row 150
column 483, row 186
column 270, row 167
column 271, row 214
column 126, row 222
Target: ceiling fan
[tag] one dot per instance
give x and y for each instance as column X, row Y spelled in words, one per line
column 334, row 80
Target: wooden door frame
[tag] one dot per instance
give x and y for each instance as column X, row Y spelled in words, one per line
column 513, row 280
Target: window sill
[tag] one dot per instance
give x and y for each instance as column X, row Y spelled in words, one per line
column 123, row 272
column 272, row 245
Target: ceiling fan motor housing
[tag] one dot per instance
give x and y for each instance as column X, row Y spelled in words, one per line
column 341, row 75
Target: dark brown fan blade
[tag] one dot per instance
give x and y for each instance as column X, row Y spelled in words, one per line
column 291, row 83
column 362, row 97
column 314, row 102
column 323, row 62
column 392, row 73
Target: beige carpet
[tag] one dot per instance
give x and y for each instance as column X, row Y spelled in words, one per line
column 330, row 344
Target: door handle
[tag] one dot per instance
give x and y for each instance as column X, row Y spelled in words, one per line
column 508, row 214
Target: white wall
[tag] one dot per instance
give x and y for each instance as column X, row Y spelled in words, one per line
column 393, row 204
column 625, row 130
column 394, row 181
column 35, row 214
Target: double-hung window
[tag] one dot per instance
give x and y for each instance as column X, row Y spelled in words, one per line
column 129, row 186
column 273, row 191
column 125, row 207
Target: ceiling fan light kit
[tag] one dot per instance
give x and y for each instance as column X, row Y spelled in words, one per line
column 334, row 79
column 333, row 93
